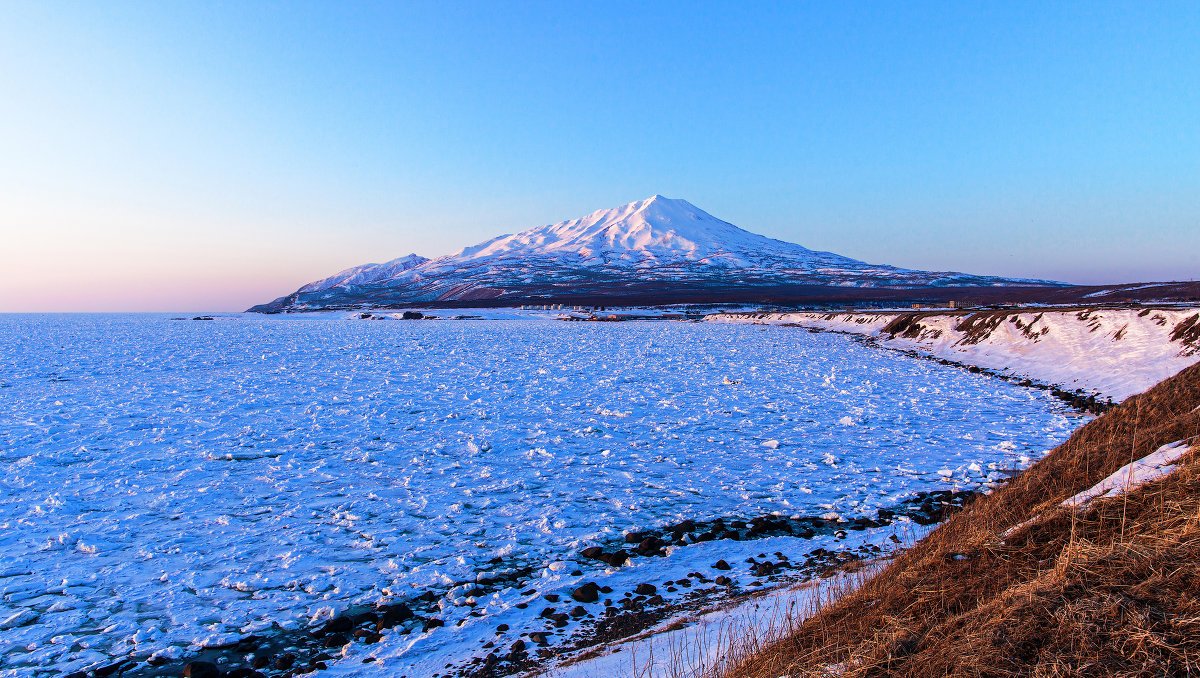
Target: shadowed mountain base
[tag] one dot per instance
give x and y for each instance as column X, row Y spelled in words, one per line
column 633, row 293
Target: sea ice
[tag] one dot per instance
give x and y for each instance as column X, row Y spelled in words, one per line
column 174, row 484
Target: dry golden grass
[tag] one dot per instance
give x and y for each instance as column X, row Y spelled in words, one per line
column 1110, row 590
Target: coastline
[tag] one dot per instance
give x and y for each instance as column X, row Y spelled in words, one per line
column 1094, row 353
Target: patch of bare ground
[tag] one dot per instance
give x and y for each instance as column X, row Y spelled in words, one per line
column 1187, row 332
column 1017, row 584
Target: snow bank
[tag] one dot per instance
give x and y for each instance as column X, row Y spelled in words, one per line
column 1112, row 352
column 1155, row 465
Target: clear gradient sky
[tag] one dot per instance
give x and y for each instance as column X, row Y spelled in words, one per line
column 206, row 156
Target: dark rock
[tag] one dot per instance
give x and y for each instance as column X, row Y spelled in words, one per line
column 338, row 625
column 201, row 670
column 655, row 600
column 646, row 589
column 721, row 565
column 538, row 637
column 685, row 526
column 723, row 581
column 764, row 569
column 552, row 597
column 336, row 640
column 636, row 537
column 502, row 628
column 412, row 315
column 616, row 559
column 398, row 613
column 606, row 589
column 243, row 673
column 433, row 623
column 579, row 611
column 588, row 593
column 119, row 667
column 650, row 546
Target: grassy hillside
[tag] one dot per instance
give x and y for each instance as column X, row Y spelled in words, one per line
column 1017, row 584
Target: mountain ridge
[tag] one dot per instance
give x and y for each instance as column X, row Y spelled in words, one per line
column 661, row 246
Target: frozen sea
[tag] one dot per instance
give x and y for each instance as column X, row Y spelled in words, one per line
column 174, row 484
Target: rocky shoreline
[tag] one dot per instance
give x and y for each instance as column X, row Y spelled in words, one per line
column 600, row 615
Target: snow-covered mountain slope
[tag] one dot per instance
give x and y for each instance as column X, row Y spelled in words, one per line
column 1113, row 352
column 650, row 233
column 366, row 274
column 658, row 246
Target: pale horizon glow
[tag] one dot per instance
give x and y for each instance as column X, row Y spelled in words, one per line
column 207, row 157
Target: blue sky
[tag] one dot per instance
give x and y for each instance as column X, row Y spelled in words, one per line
column 207, row 156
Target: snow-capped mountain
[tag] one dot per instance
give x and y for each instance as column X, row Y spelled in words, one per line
column 657, row 250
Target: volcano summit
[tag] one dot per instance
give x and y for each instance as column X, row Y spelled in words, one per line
column 655, row 251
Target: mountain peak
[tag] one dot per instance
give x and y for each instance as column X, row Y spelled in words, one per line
column 649, row 231
column 662, row 202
